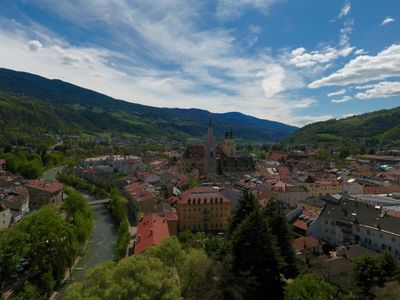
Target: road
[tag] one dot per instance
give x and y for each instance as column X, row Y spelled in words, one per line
column 51, row 175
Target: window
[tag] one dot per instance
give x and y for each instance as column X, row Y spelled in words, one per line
column 211, row 200
column 368, row 232
column 189, row 201
column 393, row 239
column 205, row 200
column 198, row 201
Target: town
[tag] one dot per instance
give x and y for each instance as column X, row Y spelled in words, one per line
column 337, row 208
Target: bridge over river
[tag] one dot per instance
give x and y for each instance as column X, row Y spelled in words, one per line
column 95, row 202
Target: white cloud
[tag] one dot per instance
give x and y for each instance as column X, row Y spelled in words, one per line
column 233, row 8
column 337, row 93
column 345, row 32
column 255, row 29
column 207, row 71
column 341, row 100
column 345, row 10
column 387, row 20
column 34, row 45
column 365, row 68
column 360, row 52
column 300, row 58
column 384, row 89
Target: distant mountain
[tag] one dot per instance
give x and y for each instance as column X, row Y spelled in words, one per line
column 370, row 129
column 32, row 104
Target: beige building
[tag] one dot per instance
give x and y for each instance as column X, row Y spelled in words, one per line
column 203, row 209
column 322, row 187
column 43, row 193
column 5, row 216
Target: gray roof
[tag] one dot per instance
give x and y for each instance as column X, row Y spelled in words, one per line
column 354, row 212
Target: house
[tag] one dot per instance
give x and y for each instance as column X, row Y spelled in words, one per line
column 43, row 193
column 203, row 209
column 352, row 187
column 5, row 216
column 141, row 196
column 292, row 195
column 351, row 222
column 17, row 200
column 151, row 230
column 307, row 244
column 317, row 188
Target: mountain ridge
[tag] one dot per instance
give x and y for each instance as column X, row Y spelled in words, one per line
column 82, row 110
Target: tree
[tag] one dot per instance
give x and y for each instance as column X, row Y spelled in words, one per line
column 79, row 214
column 367, row 274
column 246, row 205
column 256, row 260
column 138, row 277
column 52, row 243
column 307, row 287
column 283, row 235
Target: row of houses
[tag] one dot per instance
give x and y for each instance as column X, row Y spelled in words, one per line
column 17, row 201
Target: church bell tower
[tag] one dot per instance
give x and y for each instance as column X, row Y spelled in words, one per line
column 210, row 159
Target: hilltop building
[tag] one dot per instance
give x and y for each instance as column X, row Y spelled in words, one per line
column 211, row 160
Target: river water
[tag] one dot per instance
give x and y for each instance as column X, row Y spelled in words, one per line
column 100, row 247
column 101, row 244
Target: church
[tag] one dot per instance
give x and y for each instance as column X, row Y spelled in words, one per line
column 211, row 160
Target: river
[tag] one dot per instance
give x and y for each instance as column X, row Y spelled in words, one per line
column 101, row 244
column 100, row 247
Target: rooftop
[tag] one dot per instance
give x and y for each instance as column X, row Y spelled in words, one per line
column 45, row 186
column 151, row 230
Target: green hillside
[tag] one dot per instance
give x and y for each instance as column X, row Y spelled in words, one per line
column 31, row 105
column 370, row 129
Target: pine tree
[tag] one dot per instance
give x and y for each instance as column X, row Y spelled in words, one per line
column 256, row 260
column 247, row 204
column 283, row 235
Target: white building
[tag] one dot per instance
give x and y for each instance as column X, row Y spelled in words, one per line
column 350, row 221
column 5, row 216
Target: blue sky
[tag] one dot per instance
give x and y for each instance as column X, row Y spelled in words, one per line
column 294, row 61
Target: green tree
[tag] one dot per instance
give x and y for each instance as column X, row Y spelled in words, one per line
column 79, row 214
column 283, row 235
column 137, row 277
column 246, row 205
column 256, row 259
column 52, row 243
column 368, row 273
column 307, row 287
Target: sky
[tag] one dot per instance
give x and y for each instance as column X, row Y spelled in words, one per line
column 293, row 61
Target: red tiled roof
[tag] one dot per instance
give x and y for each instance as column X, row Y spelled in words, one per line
column 45, row 186
column 2, row 161
column 300, row 224
column 393, row 213
column 277, row 156
column 151, row 230
column 194, row 151
column 305, row 243
column 203, row 192
column 282, row 170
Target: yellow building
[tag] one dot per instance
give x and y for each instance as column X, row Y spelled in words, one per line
column 203, row 209
column 322, row 187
